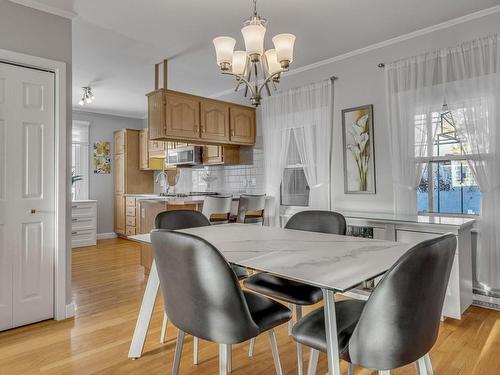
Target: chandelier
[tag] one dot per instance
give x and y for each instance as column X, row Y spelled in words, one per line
column 87, row 96
column 255, row 68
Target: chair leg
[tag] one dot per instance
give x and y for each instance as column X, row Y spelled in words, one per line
column 251, row 348
column 178, row 352
column 428, row 364
column 274, row 349
column 196, row 344
column 300, row 350
column 350, row 368
column 229, row 358
column 223, row 359
column 421, row 366
column 313, row 362
column 290, row 322
column 164, row 329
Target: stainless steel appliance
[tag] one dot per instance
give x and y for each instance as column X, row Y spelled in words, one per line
column 190, row 155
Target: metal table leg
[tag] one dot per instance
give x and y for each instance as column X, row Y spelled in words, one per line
column 145, row 313
column 331, row 333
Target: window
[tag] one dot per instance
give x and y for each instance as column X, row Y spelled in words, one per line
column 294, row 187
column 447, row 185
column 80, row 160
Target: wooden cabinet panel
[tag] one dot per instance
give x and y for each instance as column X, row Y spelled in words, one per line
column 144, row 149
column 119, row 173
column 242, row 121
column 182, row 116
column 156, row 114
column 119, row 142
column 130, row 201
column 148, row 212
column 130, row 221
column 214, row 121
column 156, row 146
column 221, row 155
column 119, row 214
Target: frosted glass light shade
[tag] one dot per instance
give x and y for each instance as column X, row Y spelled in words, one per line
column 224, row 46
column 284, row 47
column 254, row 39
column 239, row 62
column 273, row 65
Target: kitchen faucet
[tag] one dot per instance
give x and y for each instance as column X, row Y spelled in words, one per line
column 162, row 179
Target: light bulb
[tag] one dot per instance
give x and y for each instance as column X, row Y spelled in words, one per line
column 81, row 102
column 239, row 62
column 284, row 48
column 88, row 100
column 254, row 38
column 224, row 46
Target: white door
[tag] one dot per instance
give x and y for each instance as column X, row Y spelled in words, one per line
column 27, row 206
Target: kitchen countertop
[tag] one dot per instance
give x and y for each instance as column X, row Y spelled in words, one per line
column 196, row 199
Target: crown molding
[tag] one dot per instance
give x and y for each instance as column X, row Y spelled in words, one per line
column 385, row 43
column 107, row 113
column 46, row 8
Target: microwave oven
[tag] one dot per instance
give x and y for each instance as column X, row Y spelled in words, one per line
column 190, row 155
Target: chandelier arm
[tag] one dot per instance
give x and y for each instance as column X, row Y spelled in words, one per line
column 268, row 79
column 249, row 76
column 244, row 80
column 267, row 89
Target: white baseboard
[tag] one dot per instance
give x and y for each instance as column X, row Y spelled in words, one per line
column 486, row 301
column 106, row 236
column 70, row 310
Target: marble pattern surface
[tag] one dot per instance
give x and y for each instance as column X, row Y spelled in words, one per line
column 324, row 260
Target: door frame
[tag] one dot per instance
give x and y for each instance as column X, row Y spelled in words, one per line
column 62, row 310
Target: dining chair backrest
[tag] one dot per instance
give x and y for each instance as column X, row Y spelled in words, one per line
column 181, row 219
column 250, row 203
column 201, row 293
column 217, row 204
column 318, row 221
column 400, row 321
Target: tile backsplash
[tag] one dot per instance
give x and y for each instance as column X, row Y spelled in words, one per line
column 242, row 178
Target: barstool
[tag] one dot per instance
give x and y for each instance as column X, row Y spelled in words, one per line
column 217, row 208
column 251, row 209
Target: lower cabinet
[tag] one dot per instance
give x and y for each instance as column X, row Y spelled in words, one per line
column 83, row 223
column 119, row 214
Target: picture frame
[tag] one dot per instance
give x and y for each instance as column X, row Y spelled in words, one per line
column 358, row 145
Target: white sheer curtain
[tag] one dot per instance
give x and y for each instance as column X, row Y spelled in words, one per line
column 467, row 78
column 414, row 89
column 306, row 112
column 473, row 93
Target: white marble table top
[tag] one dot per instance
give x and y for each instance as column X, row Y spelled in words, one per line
column 324, row 260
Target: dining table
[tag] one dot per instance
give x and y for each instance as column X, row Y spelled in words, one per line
column 334, row 263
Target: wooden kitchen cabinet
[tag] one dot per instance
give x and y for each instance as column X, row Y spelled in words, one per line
column 214, row 121
column 144, row 149
column 128, row 177
column 213, row 155
column 182, row 116
column 151, row 153
column 242, row 125
column 175, row 116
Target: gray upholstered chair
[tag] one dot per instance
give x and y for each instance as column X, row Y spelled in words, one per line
column 217, row 205
column 203, row 297
column 251, row 209
column 399, row 323
column 295, row 293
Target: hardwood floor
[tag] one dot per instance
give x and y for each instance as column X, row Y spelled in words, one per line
column 108, row 284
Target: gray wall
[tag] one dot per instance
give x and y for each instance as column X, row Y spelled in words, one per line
column 32, row 32
column 101, row 185
column 362, row 82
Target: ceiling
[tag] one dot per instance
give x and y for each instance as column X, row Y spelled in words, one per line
column 117, row 42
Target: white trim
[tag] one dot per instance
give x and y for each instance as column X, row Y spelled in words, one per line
column 485, row 301
column 107, row 113
column 385, row 43
column 106, row 236
column 70, row 310
column 61, row 182
column 46, row 8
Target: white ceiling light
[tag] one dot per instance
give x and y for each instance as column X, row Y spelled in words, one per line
column 246, row 65
column 87, row 96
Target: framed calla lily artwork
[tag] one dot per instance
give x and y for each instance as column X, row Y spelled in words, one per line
column 359, row 150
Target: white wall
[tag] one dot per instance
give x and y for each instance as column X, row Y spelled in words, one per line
column 101, row 185
column 362, row 82
column 32, row 32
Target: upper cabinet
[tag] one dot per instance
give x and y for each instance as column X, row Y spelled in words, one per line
column 214, row 121
column 242, row 125
column 176, row 116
